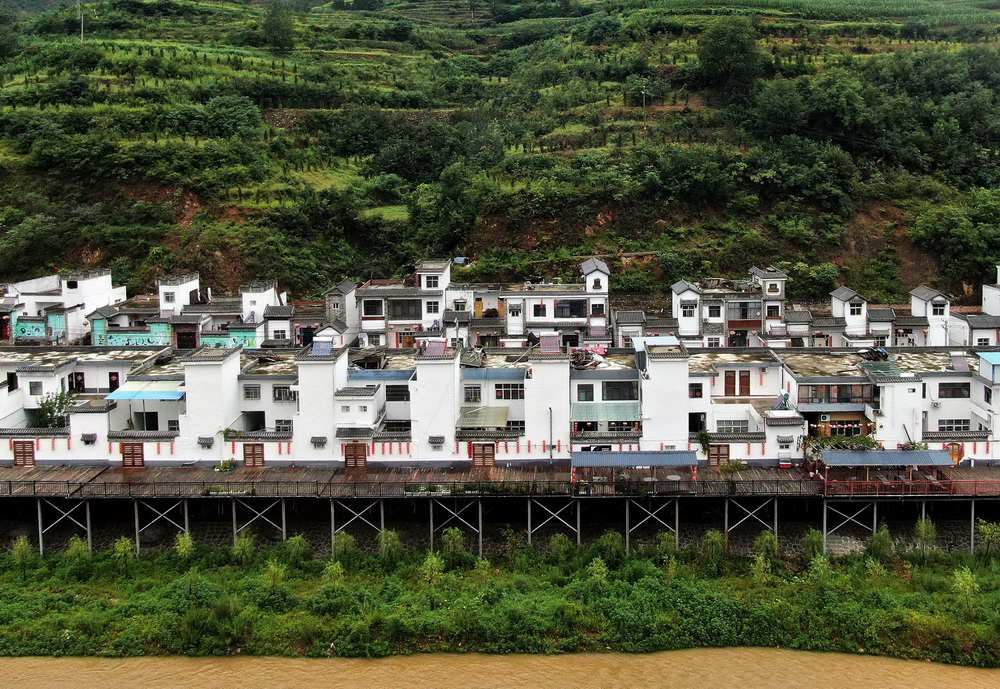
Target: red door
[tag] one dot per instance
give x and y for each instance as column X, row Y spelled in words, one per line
column 484, row 455
column 24, row 453
column 132, row 457
column 253, row 454
column 744, row 383
column 718, row 454
column 730, row 383
column 356, row 455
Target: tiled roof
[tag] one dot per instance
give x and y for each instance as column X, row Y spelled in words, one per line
column 927, row 293
column 592, row 264
column 769, row 272
column 630, row 317
column 845, row 293
column 683, row 285
column 798, row 316
column 881, row 315
column 280, row 311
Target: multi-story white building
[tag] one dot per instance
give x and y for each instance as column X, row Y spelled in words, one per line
column 443, row 405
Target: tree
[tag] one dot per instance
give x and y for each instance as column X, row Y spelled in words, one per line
column 52, row 410
column 729, row 58
column 277, row 28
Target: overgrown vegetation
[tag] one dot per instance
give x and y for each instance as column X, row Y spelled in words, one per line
column 909, row 602
column 309, row 142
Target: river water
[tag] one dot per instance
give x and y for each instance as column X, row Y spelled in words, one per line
column 740, row 668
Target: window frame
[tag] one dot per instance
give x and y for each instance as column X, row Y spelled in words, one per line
column 582, row 396
column 508, row 391
column 476, row 397
column 696, row 391
column 251, row 392
column 954, row 391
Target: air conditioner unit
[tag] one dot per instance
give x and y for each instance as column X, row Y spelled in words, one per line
column 878, row 412
column 935, row 404
column 824, row 417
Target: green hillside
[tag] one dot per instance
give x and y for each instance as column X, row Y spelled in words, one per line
column 845, row 140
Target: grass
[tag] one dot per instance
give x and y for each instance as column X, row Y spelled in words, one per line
column 397, row 213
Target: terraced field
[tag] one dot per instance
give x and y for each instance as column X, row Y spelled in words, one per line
column 185, row 134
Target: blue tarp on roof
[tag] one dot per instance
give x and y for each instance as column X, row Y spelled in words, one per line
column 148, row 390
column 667, row 458
column 887, row 458
column 992, row 358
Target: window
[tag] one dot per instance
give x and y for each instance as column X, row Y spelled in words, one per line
column 283, row 425
column 168, row 297
column 509, row 391
column 432, row 307
column 371, row 307
column 983, row 342
column 11, row 382
column 855, row 309
column 397, row 393
column 773, row 311
column 597, row 308
column 72, row 284
column 623, row 390
column 694, row 390
column 363, row 408
column 714, row 342
column 714, row 311
column 732, row 426
column 623, row 426
column 431, row 281
column 597, row 283
column 538, row 310
column 335, row 305
column 953, row 390
column 514, row 310
column 251, row 392
column 345, row 408
column 784, row 445
column 473, row 394
column 405, row 309
column 279, row 335
column 460, row 304
column 283, row 393
column 846, row 428
column 937, row 309
column 516, row 425
column 687, row 310
column 952, row 425
column 35, row 387
column 988, row 395
column 773, row 288
column 879, row 340
column 173, row 425
column 585, row 393
column 375, row 340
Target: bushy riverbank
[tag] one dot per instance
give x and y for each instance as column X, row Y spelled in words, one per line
column 556, row 598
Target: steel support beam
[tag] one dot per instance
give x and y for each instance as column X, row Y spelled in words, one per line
column 455, row 514
column 747, row 514
column 648, row 514
column 63, row 515
column 848, row 516
column 361, row 515
column 972, row 526
column 260, row 515
column 555, row 515
column 158, row 516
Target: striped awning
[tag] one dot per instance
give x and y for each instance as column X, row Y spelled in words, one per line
column 162, row 390
column 606, row 411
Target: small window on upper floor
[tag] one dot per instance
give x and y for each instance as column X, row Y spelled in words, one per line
column 773, row 287
column 687, row 311
column 597, row 283
column 168, row 297
column 597, row 308
column 714, row 311
column 855, row 309
column 773, row 311
column 937, row 309
column 431, row 281
column 71, row 284
column 460, row 305
column 983, row 342
column 35, row 387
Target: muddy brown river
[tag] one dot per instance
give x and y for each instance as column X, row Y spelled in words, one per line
column 745, row 668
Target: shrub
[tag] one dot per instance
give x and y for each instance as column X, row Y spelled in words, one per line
column 244, row 549
column 766, row 545
column 812, row 544
column 561, row 549
column 925, row 536
column 345, row 549
column 610, row 547
column 597, row 570
column 432, row 568
column 123, row 552
column 965, row 586
column 390, row 549
column 23, row 554
column 78, row 556
column 820, row 571
column 760, row 569
column 874, row 569
column 297, row 550
column 988, row 542
column 334, row 574
column 713, row 551
column 184, row 546
column 453, row 550
column 880, row 545
column 666, row 546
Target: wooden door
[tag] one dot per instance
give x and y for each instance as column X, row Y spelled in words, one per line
column 24, row 453
column 744, row 383
column 132, row 456
column 477, row 308
column 114, row 380
column 484, row 455
column 356, row 455
column 502, row 309
column 956, row 450
column 730, row 384
column 253, row 454
column 718, row 454
column 187, row 339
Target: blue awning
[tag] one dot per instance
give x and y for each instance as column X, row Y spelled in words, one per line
column 666, row 458
column 159, row 390
column 887, row 458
